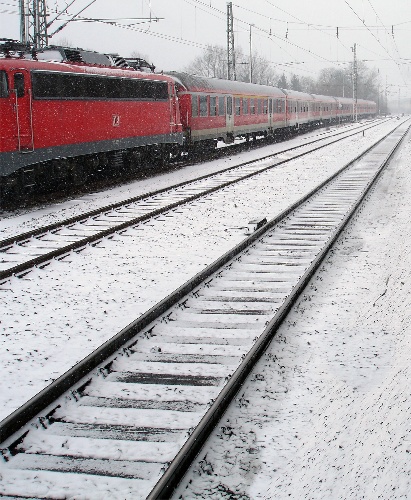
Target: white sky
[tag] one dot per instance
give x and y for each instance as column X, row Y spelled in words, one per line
column 187, row 26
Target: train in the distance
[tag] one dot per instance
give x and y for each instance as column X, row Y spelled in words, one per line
column 65, row 118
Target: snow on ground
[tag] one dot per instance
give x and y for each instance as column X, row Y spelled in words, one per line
column 55, row 316
column 327, row 411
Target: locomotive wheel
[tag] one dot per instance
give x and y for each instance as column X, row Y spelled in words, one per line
column 78, row 172
column 60, row 170
column 10, row 192
column 159, row 155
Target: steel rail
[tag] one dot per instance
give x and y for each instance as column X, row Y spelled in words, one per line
column 42, row 259
column 36, row 451
column 177, row 469
column 14, row 422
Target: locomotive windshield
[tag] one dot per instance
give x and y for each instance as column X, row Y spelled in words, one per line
column 4, row 88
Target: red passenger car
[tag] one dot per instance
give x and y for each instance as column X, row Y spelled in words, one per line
column 299, row 105
column 213, row 109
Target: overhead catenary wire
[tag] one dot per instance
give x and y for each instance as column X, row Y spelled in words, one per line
column 261, row 30
column 298, row 21
column 151, row 33
column 285, row 44
column 389, row 55
column 386, row 30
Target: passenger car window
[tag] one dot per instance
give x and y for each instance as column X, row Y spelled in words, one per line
column 252, row 106
column 203, row 105
column 237, row 106
column 213, row 106
column 229, row 105
column 194, row 105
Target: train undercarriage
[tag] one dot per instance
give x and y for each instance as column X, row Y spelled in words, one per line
column 73, row 174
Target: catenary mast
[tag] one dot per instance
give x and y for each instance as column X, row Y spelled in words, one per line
column 33, row 23
column 355, row 84
column 231, row 74
column 23, row 36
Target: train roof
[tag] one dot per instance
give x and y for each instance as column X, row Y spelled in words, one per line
column 193, row 83
column 82, row 68
column 324, row 98
column 301, row 96
column 345, row 100
column 364, row 101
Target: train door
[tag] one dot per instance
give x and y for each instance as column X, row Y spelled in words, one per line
column 270, row 112
column 23, row 110
column 174, row 109
column 229, row 115
column 287, row 111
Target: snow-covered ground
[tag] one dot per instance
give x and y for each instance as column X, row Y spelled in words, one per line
column 326, row 413
column 55, row 316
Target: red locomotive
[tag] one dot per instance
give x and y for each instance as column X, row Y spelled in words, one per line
column 62, row 120
column 59, row 111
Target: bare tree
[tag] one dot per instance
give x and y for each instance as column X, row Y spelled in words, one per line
column 331, row 81
column 339, row 82
column 262, row 72
column 213, row 63
column 308, row 84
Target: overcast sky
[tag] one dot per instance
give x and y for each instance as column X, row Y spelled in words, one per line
column 303, row 35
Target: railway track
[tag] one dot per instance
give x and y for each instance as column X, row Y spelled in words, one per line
column 22, row 252
column 127, row 421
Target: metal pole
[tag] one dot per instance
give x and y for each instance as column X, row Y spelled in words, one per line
column 386, row 96
column 379, row 107
column 22, row 22
column 343, row 84
column 36, row 23
column 251, row 58
column 355, row 80
column 231, row 74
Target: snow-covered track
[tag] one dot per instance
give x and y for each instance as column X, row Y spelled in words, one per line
column 22, row 252
column 140, row 407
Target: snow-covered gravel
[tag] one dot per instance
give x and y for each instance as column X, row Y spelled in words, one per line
column 326, row 413
column 56, row 316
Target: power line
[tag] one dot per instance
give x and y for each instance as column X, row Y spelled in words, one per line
column 307, row 24
column 207, row 6
column 389, row 55
column 152, row 33
column 393, row 39
column 222, row 17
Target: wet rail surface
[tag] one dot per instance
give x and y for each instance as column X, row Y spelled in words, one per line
column 22, row 252
column 134, row 423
